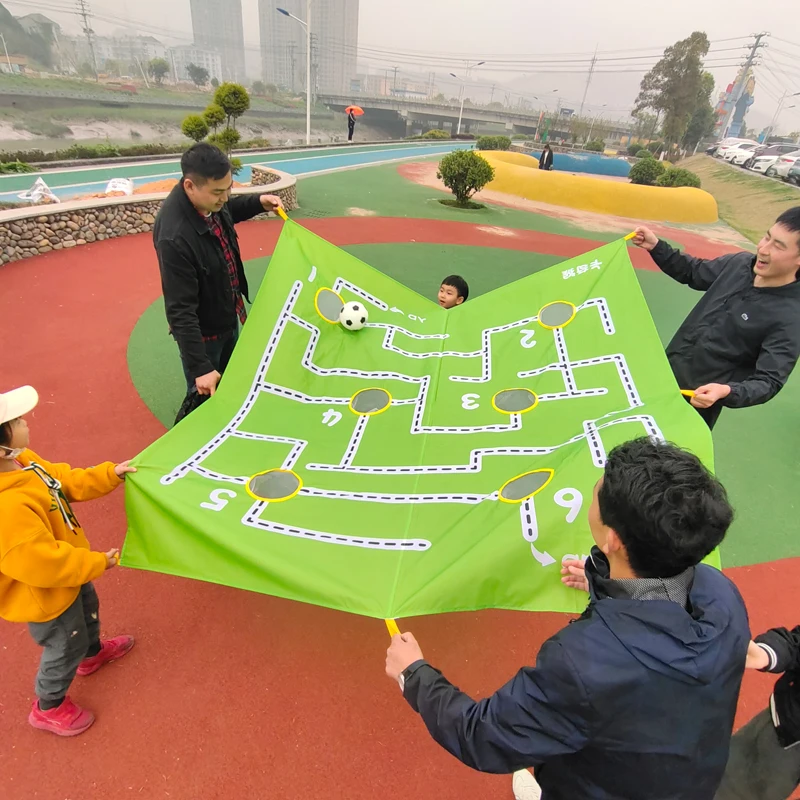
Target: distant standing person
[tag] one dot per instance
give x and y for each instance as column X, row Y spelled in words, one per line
column 741, row 341
column 202, row 275
column 546, row 159
column 351, row 124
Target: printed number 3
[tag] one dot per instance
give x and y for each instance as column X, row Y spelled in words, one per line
column 468, row 401
column 216, row 501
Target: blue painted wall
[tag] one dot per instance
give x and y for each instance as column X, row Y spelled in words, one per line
column 588, row 163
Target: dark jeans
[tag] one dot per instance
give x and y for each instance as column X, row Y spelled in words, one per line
column 759, row 768
column 219, row 352
column 66, row 640
column 351, row 127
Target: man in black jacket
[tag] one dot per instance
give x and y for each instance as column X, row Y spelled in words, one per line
column 636, row 698
column 764, row 762
column 741, row 341
column 202, row 275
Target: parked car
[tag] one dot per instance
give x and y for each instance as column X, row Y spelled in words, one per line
column 765, row 156
column 782, row 166
column 741, row 153
column 727, row 144
column 794, row 174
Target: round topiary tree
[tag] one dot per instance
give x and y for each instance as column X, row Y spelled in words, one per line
column 634, row 148
column 595, row 146
column 464, row 172
column 214, row 116
column 233, row 99
column 644, row 154
column 678, row 176
column 436, row 133
column 195, row 127
column 646, row 172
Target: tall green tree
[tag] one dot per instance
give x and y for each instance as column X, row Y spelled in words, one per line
column 673, row 85
column 701, row 125
column 197, row 75
column 214, row 116
column 158, row 69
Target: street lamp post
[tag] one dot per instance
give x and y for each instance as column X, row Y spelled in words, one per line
column 778, row 111
column 307, row 25
column 463, row 85
column 591, row 127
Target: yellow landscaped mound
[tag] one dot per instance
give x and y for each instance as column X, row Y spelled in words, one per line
column 517, row 174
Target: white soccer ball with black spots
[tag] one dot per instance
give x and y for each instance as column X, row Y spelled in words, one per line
column 353, row 316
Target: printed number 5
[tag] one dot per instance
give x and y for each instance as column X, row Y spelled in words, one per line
column 217, row 503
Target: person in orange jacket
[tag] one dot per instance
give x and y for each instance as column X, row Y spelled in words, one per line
column 47, row 567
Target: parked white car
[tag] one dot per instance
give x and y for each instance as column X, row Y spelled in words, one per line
column 727, row 144
column 741, row 153
column 767, row 156
column 784, row 164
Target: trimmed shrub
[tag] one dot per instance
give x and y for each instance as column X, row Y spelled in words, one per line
column 464, row 172
column 436, row 133
column 634, row 148
column 644, row 154
column 595, row 146
column 493, row 143
column 646, row 172
column 677, row 176
column 15, row 167
column 655, row 147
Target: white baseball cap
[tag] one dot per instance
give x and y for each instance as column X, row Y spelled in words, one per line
column 17, row 403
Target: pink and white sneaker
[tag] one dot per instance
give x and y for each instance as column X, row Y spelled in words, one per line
column 110, row 650
column 64, row 720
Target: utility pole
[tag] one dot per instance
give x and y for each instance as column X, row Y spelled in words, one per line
column 394, row 85
column 491, row 99
column 85, row 12
column 738, row 89
column 588, row 81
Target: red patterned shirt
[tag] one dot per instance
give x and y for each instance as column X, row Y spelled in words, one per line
column 230, row 260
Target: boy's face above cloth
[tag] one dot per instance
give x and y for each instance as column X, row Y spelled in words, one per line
column 449, row 297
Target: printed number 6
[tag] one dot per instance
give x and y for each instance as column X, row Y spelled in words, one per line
column 571, row 499
column 217, row 502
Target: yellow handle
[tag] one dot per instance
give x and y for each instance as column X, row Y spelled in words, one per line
column 687, row 392
column 282, row 214
column 391, row 626
column 630, row 236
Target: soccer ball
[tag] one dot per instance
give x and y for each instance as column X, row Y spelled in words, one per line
column 353, row 316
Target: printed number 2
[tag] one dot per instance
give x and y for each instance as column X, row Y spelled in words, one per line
column 527, row 341
column 217, row 503
column 468, row 401
column 571, row 499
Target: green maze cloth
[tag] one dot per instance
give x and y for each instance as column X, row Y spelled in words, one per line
column 433, row 461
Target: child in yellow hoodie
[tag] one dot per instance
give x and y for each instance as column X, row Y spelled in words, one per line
column 46, row 566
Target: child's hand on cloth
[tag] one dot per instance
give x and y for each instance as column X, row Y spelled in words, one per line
column 121, row 470
column 112, row 559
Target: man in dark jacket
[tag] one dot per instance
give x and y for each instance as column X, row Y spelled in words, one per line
column 636, row 698
column 740, row 343
column 764, row 762
column 202, row 275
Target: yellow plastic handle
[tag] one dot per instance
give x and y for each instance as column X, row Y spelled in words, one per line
column 687, row 392
column 282, row 214
column 630, row 236
column 391, row 626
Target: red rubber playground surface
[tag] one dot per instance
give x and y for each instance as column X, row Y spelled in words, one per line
column 229, row 694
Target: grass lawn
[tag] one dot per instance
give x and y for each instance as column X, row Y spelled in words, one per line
column 747, row 201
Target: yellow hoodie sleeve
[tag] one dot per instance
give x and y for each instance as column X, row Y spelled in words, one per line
column 46, row 563
column 81, row 484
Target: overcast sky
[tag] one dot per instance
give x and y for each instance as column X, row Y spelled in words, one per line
column 530, row 30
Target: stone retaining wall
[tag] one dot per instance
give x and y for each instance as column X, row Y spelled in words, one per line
column 26, row 232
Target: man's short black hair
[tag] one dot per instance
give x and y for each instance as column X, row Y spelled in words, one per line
column 790, row 219
column 203, row 162
column 668, row 510
column 459, row 284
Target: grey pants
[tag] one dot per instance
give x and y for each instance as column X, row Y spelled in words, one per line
column 758, row 766
column 66, row 641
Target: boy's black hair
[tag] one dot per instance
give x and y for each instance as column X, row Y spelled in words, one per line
column 459, row 284
column 668, row 510
column 203, row 162
column 5, row 434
